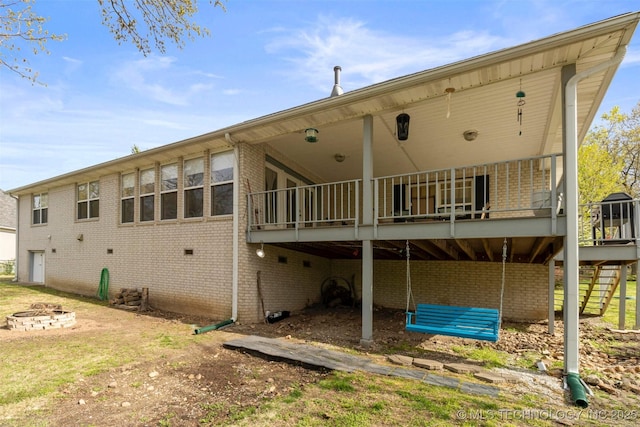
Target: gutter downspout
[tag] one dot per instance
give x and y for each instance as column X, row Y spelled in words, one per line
column 15, row 267
column 236, row 227
column 571, row 261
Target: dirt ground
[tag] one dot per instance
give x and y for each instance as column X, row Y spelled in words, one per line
column 202, row 385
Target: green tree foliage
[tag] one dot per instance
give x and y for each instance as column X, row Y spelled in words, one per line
column 620, row 137
column 598, row 173
column 22, row 29
column 148, row 24
column 153, row 22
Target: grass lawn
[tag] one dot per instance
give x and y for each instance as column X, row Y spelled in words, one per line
column 111, row 341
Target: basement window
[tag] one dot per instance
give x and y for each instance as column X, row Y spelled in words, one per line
column 188, row 251
column 282, row 259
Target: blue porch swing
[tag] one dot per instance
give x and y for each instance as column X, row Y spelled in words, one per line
column 464, row 322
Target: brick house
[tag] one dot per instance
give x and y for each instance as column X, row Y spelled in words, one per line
column 453, row 163
column 7, row 228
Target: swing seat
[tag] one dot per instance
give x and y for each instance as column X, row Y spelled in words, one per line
column 464, row 322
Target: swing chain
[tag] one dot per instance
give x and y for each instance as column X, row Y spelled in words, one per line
column 504, row 262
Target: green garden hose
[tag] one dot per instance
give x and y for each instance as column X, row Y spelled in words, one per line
column 103, row 290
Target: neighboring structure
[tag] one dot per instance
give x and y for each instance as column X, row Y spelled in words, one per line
column 449, row 163
column 7, row 232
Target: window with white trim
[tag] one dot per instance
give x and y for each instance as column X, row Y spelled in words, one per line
column 127, row 197
column 88, row 200
column 463, row 196
column 169, row 191
column 193, row 175
column 147, row 194
column 222, row 183
column 40, row 208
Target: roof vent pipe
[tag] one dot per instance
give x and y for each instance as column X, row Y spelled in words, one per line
column 337, row 90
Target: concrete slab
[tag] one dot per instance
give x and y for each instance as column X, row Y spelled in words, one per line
column 463, row 368
column 398, row 359
column 431, row 365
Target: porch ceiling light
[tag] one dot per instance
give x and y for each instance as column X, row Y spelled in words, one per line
column 339, row 157
column 260, row 250
column 311, row 134
column 470, row 135
column 402, row 126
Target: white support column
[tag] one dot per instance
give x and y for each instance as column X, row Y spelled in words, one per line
column 367, row 293
column 367, row 170
column 367, row 218
column 570, row 82
column 623, row 297
column 552, row 291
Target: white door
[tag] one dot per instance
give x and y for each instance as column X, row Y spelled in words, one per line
column 37, row 267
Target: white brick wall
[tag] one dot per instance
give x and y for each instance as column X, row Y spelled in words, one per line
column 153, row 255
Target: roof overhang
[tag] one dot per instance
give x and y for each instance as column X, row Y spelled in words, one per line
column 484, row 99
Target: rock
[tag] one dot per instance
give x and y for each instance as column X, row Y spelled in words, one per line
column 113, row 384
column 400, row 360
column 81, row 402
column 126, row 404
column 150, row 388
column 191, row 376
column 592, row 380
column 608, row 389
column 153, row 374
column 94, row 393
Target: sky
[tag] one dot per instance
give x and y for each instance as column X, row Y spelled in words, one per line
column 101, row 98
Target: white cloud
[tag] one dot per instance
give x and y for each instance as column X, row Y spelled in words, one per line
column 159, row 78
column 632, row 57
column 231, row 91
column 369, row 56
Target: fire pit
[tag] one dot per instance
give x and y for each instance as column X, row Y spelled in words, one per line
column 41, row 316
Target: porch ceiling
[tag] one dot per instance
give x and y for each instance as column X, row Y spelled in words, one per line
column 484, row 100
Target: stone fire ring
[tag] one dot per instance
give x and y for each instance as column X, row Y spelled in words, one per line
column 39, row 320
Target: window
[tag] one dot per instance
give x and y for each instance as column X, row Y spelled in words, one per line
column 193, row 174
column 127, row 197
column 271, row 195
column 147, row 194
column 169, row 191
column 40, row 208
column 222, row 183
column 88, row 197
column 462, row 191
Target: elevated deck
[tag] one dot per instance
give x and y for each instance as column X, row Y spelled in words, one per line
column 453, row 214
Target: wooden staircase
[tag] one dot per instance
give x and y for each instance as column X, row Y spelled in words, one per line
column 597, row 287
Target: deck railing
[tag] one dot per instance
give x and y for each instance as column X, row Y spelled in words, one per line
column 336, row 203
column 524, row 187
column 608, row 223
